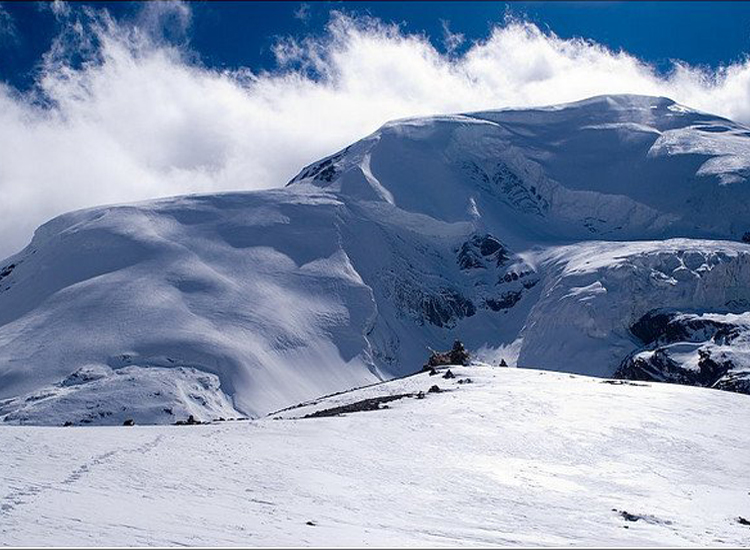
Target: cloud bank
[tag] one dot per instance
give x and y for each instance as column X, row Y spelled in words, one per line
column 122, row 114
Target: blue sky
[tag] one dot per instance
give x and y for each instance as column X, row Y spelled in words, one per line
column 117, row 102
column 241, row 34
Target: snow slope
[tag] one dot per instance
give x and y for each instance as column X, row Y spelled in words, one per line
column 251, row 288
column 516, row 457
column 539, row 236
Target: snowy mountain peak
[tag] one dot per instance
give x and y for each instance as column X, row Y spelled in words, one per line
column 537, row 236
column 618, row 167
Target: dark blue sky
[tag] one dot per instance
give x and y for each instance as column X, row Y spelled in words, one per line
column 234, row 34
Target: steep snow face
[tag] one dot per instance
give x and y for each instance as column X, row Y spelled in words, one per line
column 252, row 288
column 515, row 457
column 609, row 167
column 595, row 291
column 505, row 229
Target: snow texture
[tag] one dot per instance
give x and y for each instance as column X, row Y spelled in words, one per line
column 516, row 457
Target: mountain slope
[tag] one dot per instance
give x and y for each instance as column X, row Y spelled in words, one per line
column 248, row 288
column 519, row 231
column 516, row 457
column 613, row 166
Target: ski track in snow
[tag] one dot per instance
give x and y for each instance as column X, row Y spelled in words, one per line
column 517, row 457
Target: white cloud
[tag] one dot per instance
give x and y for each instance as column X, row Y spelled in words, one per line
column 60, row 8
column 451, row 40
column 140, row 119
column 165, row 20
column 303, row 12
column 8, row 33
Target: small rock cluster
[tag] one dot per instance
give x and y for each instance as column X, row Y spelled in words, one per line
column 456, row 356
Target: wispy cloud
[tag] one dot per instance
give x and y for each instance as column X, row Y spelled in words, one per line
column 451, row 40
column 303, row 12
column 139, row 118
column 8, row 33
column 166, row 20
column 60, row 8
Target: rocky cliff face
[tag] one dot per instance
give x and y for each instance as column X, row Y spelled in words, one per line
column 707, row 350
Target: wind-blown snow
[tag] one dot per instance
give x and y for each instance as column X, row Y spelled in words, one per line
column 516, row 457
column 542, row 234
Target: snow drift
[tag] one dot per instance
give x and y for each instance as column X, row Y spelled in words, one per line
column 540, row 236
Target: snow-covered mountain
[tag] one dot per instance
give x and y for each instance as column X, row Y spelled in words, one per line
column 538, row 236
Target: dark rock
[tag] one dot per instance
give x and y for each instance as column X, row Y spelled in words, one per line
column 659, row 329
column 743, row 521
column 456, row 356
column 129, row 422
column 651, row 326
column 513, row 189
column 628, row 516
column 503, row 363
column 372, row 404
column 442, row 306
column 621, row 383
column 465, row 381
column 420, row 395
column 310, row 523
column 67, row 423
column 468, row 259
column 746, row 237
column 710, row 369
column 327, row 174
column 662, row 327
column 459, row 355
column 434, row 389
column 448, row 374
column 432, row 371
column 7, row 270
column 489, row 245
column 445, row 308
column 189, row 422
column 530, row 284
column 660, row 367
column 738, row 382
column 324, row 170
column 506, row 300
column 481, row 250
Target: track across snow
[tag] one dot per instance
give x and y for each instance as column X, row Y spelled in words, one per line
column 516, row 457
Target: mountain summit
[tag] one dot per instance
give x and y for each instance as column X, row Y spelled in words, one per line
column 601, row 237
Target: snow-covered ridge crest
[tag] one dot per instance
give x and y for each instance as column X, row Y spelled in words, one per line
column 611, row 166
column 536, row 235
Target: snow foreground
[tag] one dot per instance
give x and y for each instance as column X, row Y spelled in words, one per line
column 539, row 236
column 515, row 457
